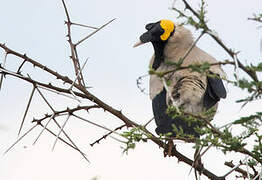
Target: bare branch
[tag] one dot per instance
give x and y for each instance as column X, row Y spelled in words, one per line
column 2, row 75
column 61, row 129
column 193, row 45
column 85, row 38
column 72, row 46
column 95, row 124
column 83, row 25
column 80, row 71
column 19, row 139
column 26, row 110
column 139, row 82
column 68, row 110
column 48, row 130
column 65, row 79
column 106, row 135
column 57, row 92
column 20, row 67
column 71, row 141
column 234, row 168
column 231, row 53
column 44, row 128
column 149, row 121
column 49, row 105
column 237, row 169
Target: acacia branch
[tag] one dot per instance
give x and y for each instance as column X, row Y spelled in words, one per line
column 79, row 90
column 68, row 110
column 237, row 169
column 26, row 110
column 252, row 74
column 88, row 36
column 65, row 79
column 73, row 56
column 182, row 157
column 106, row 135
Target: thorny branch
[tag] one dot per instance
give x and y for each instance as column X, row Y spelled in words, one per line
column 80, row 91
column 106, row 135
column 207, row 30
column 73, row 47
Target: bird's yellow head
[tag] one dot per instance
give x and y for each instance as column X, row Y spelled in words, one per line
column 158, row 32
column 168, row 27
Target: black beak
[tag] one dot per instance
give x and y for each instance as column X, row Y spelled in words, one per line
column 144, row 38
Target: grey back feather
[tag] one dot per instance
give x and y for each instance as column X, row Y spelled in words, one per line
column 187, row 85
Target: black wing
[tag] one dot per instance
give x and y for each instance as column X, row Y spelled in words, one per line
column 214, row 91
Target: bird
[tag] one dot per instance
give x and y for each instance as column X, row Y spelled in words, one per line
column 192, row 91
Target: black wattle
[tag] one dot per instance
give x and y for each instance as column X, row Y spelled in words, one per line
column 159, row 53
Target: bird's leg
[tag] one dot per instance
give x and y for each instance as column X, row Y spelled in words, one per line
column 170, row 147
column 168, row 150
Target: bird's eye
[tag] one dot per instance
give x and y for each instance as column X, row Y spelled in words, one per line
column 149, row 26
column 157, row 31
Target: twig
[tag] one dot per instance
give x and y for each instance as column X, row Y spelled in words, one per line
column 173, row 3
column 258, row 175
column 57, row 92
column 149, row 121
column 19, row 139
column 44, row 128
column 138, row 83
column 95, row 124
column 49, row 105
column 72, row 46
column 91, row 34
column 61, row 129
column 191, row 9
column 196, row 158
column 35, row 63
column 84, row 94
column 83, row 25
column 202, row 154
column 258, row 19
column 104, row 137
column 199, row 168
column 3, row 65
column 38, row 84
column 75, row 97
column 246, row 163
column 193, row 45
column 239, row 170
column 71, row 141
column 118, row 140
column 197, row 65
column 18, row 70
column 48, row 130
column 79, row 72
column 68, row 110
column 252, row 74
column 77, row 76
column 26, row 110
column 234, row 168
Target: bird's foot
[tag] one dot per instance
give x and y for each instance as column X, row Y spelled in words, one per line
column 168, row 150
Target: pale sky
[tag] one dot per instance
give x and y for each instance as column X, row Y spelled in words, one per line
column 36, row 28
